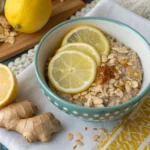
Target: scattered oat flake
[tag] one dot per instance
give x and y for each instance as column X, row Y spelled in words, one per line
column 70, row 136
column 120, row 49
column 75, row 147
column 7, row 33
column 13, row 33
column 4, row 22
column 79, row 136
column 10, row 40
column 79, row 143
column 102, row 131
column 86, row 128
column 95, row 137
column 94, row 128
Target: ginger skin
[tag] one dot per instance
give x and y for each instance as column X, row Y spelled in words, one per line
column 17, row 117
column 16, row 111
column 38, row 128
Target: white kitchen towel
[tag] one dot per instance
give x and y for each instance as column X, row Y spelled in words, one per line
column 110, row 9
column 29, row 89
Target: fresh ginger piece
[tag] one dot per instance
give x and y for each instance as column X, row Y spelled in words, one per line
column 17, row 117
column 38, row 128
column 15, row 111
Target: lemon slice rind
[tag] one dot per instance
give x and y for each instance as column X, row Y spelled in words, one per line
column 83, row 47
column 13, row 89
column 72, row 90
column 90, row 28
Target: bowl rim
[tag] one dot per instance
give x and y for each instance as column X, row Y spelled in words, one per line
column 65, row 102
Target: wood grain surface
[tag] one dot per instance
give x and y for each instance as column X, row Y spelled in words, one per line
column 61, row 12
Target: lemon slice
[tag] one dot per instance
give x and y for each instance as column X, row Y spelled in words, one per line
column 85, row 48
column 90, row 35
column 71, row 71
column 8, row 86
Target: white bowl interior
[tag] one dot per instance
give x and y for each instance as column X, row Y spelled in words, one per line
column 125, row 35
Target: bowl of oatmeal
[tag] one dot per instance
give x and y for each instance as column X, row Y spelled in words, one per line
column 122, row 80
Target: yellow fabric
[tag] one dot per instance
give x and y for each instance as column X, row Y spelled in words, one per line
column 133, row 133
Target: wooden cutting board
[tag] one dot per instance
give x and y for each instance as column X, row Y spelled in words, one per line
column 61, row 12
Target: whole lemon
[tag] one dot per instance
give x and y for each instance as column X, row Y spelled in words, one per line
column 28, row 16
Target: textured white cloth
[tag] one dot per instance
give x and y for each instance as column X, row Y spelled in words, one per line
column 141, row 7
column 29, row 89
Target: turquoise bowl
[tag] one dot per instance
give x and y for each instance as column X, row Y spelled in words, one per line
column 127, row 35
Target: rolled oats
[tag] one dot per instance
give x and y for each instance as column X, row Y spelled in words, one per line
column 130, row 63
column 10, row 40
column 112, row 93
column 127, row 87
column 2, row 37
column 1, row 29
column 76, row 96
column 122, row 50
column 112, row 62
column 4, row 22
column 97, row 100
column 7, row 34
column 130, row 70
column 79, row 143
column 117, row 76
column 97, row 89
column 119, row 93
column 84, row 93
column 112, row 81
column 117, row 67
column 87, row 96
column 121, row 83
column 102, row 131
column 89, row 103
column 79, row 136
column 99, row 106
column 134, row 84
column 70, row 137
column 116, row 83
column 95, row 138
column 111, row 56
column 13, row 33
column 93, row 93
column 104, row 58
column 106, row 101
column 118, row 79
column 111, row 89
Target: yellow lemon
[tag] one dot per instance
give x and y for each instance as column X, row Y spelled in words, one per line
column 71, row 71
column 8, row 86
column 90, row 35
column 28, row 16
column 85, row 48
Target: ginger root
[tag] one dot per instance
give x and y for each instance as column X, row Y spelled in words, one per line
column 17, row 117
column 21, row 110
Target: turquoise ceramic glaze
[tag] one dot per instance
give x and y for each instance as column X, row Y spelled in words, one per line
column 52, row 40
column 2, row 147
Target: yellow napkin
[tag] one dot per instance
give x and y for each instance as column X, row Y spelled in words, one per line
column 132, row 133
